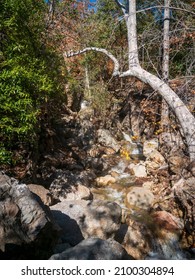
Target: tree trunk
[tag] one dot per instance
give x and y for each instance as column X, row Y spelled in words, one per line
column 165, row 64
column 132, row 34
column 185, row 118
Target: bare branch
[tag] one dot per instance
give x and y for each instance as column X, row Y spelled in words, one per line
column 120, row 4
column 116, row 71
column 162, row 7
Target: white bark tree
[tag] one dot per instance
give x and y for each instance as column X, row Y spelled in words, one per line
column 165, row 63
column 185, row 118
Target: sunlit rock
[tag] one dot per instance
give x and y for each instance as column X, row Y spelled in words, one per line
column 82, row 219
column 139, row 197
column 149, row 146
column 105, row 180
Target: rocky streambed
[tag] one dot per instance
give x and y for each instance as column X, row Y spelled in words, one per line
column 111, row 200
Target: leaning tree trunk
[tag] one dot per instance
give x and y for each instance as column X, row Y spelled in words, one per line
column 185, row 118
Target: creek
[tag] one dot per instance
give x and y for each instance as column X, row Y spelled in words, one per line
column 163, row 244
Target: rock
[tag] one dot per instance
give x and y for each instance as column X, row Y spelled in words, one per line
column 139, row 197
column 94, row 249
column 191, row 167
column 154, row 161
column 106, row 139
column 79, row 192
column 134, row 238
column 176, row 163
column 138, row 170
column 148, row 185
column 42, row 193
column 166, row 221
column 149, row 146
column 67, row 182
column 105, row 181
column 25, row 223
column 84, row 219
column 184, row 192
column 61, row 247
column 190, row 183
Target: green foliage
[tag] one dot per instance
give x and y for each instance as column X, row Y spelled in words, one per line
column 100, row 98
column 29, row 80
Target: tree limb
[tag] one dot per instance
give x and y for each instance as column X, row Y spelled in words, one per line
column 116, row 71
column 123, row 7
column 120, row 4
column 162, row 7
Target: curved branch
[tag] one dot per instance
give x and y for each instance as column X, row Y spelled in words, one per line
column 116, row 71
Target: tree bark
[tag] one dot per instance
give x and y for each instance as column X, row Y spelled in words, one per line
column 165, row 64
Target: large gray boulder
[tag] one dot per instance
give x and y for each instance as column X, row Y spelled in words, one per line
column 82, row 219
column 24, row 221
column 106, row 139
column 94, row 249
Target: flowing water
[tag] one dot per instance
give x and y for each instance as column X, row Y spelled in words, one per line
column 161, row 248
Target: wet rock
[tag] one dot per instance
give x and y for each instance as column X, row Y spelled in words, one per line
column 94, row 249
column 106, row 139
column 139, row 197
column 84, row 219
column 79, row 192
column 138, row 170
column 105, row 180
column 24, row 222
column 149, row 146
column 43, row 193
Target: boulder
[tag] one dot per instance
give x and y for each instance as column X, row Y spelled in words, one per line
column 94, row 249
column 106, row 139
column 105, row 180
column 166, row 221
column 24, row 222
column 83, row 219
column 138, row 170
column 149, row 146
column 139, row 197
column 135, row 238
column 79, row 192
column 177, row 163
column 71, row 185
column 42, row 193
column 154, row 161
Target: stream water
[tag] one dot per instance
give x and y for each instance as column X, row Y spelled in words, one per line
column 167, row 247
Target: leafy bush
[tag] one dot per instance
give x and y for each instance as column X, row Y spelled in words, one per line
column 29, row 80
